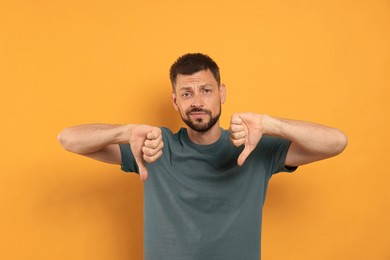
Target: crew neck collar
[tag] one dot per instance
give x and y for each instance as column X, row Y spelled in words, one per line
column 206, row 147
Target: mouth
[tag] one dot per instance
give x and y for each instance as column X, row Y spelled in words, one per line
column 197, row 115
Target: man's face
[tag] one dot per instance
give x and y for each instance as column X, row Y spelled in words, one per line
column 198, row 99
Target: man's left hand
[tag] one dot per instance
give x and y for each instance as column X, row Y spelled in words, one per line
column 247, row 129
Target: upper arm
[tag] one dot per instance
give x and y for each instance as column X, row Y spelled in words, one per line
column 109, row 154
column 297, row 156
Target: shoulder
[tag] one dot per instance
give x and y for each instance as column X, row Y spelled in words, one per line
column 171, row 137
column 166, row 132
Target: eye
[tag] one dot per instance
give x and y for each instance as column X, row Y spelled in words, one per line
column 207, row 90
column 186, row 94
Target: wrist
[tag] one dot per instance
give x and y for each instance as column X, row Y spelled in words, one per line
column 123, row 133
column 272, row 125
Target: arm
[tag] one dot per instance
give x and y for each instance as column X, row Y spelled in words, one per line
column 100, row 142
column 310, row 142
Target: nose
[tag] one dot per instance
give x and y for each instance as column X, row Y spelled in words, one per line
column 197, row 101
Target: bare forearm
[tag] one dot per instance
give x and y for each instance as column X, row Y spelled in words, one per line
column 310, row 142
column 85, row 139
column 309, row 137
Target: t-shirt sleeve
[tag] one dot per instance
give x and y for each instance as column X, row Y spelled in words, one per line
column 275, row 150
column 128, row 160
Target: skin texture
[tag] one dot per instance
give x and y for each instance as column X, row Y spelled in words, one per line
column 100, row 142
column 310, row 142
column 199, row 92
column 198, row 99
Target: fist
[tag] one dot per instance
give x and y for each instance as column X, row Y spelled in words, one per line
column 146, row 144
column 238, row 131
column 152, row 148
column 245, row 129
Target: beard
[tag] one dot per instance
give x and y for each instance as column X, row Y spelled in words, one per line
column 199, row 124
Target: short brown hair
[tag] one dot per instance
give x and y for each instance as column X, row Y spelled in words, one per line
column 191, row 63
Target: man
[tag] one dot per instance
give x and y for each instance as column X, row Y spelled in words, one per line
column 204, row 194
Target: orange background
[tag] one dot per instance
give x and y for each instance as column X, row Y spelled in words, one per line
column 64, row 63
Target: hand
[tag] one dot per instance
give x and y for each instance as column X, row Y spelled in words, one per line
column 247, row 129
column 146, row 144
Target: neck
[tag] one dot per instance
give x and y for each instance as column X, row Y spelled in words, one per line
column 205, row 138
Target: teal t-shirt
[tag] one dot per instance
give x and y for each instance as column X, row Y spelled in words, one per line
column 199, row 204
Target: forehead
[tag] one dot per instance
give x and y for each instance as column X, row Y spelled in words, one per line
column 203, row 77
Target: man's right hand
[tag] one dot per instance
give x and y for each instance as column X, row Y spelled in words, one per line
column 100, row 142
column 146, row 145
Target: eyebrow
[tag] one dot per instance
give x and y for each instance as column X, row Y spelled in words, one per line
column 185, row 88
column 200, row 86
column 206, row 85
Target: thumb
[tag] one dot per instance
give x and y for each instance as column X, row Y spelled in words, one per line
column 136, row 148
column 143, row 171
column 244, row 154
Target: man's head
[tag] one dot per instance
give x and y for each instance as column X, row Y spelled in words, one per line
column 197, row 92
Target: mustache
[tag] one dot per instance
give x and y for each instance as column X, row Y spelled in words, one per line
column 198, row 109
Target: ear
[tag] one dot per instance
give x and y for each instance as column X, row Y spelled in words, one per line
column 174, row 101
column 222, row 93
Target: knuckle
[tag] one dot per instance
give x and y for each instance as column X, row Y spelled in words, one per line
column 147, row 151
column 156, row 144
column 236, row 135
column 150, row 144
column 235, row 142
column 158, row 155
column 148, row 159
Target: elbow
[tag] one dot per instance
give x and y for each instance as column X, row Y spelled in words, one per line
column 61, row 138
column 65, row 141
column 341, row 143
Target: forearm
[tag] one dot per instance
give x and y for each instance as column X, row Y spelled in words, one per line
column 311, row 138
column 85, row 139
